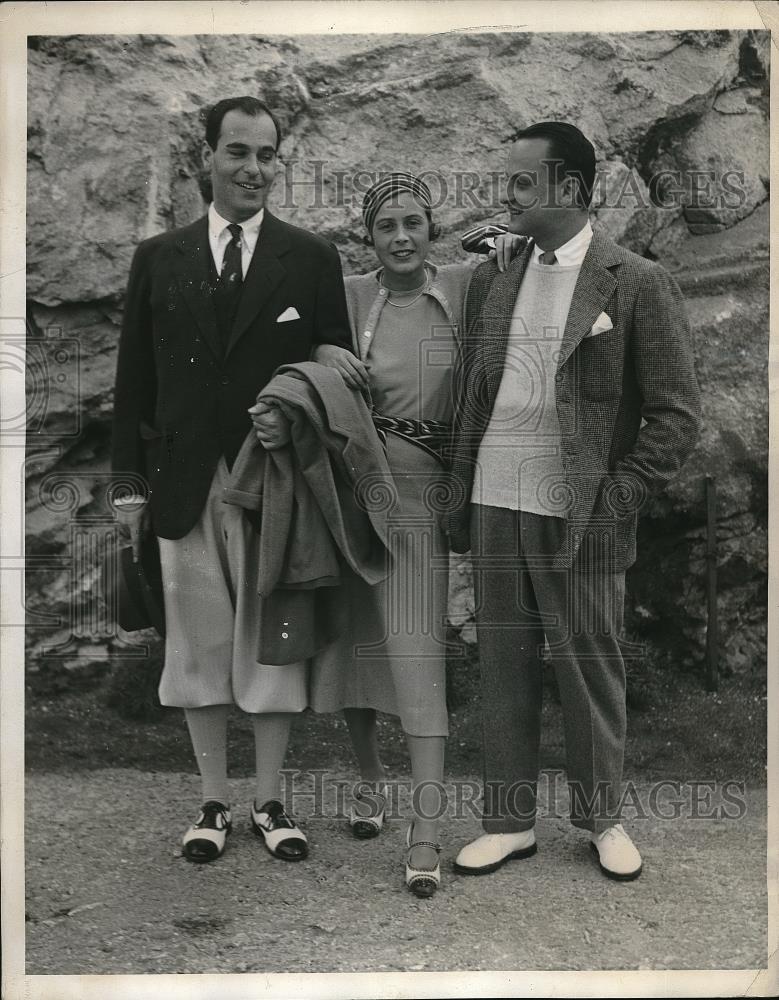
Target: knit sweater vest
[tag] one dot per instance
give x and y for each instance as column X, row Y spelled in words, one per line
column 519, row 463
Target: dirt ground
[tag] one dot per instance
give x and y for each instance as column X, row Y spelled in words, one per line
column 108, row 891
column 114, row 895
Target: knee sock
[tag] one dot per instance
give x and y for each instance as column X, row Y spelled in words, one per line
column 271, row 736
column 208, row 732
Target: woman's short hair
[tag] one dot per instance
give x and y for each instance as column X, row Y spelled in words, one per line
column 572, row 149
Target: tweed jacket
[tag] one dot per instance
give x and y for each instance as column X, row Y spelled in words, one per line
column 316, row 521
column 627, row 399
column 180, row 399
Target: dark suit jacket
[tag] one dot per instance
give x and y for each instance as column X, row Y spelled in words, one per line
column 180, row 403
column 627, row 399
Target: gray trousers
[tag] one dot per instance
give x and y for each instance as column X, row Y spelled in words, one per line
column 520, row 602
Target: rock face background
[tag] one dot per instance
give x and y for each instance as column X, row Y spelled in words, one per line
column 679, row 120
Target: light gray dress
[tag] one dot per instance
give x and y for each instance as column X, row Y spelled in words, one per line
column 393, row 657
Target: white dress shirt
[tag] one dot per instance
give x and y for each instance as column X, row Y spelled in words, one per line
column 219, row 236
column 570, row 254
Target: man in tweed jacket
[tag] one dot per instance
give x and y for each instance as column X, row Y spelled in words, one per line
column 575, row 399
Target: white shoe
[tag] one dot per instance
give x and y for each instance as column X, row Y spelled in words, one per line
column 488, row 852
column 617, row 854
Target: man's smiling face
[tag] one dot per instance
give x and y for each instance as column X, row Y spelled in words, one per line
column 536, row 203
column 243, row 165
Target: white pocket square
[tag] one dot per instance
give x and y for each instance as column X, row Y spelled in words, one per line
column 601, row 325
column 289, row 313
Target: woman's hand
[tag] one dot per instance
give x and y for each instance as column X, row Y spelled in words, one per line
column 507, row 246
column 351, row 369
column 270, row 426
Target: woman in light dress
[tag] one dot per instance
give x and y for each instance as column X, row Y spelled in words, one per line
column 406, row 321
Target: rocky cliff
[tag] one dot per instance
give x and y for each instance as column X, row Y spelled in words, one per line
column 679, row 120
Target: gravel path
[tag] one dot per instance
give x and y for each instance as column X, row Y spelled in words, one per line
column 109, row 892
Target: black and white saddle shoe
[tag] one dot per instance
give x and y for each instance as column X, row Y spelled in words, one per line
column 280, row 833
column 205, row 839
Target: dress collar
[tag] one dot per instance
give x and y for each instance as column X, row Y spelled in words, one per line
column 430, row 269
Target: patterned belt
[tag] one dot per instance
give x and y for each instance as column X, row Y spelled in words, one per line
column 429, row 435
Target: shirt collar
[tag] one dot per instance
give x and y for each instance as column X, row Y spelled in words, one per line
column 251, row 227
column 570, row 254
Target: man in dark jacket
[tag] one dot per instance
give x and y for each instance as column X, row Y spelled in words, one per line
column 576, row 398
column 212, row 310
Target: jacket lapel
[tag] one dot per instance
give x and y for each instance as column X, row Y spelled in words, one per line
column 194, row 278
column 594, row 287
column 265, row 273
column 496, row 318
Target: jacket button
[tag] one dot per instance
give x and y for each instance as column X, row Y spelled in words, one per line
column 559, row 377
column 225, row 380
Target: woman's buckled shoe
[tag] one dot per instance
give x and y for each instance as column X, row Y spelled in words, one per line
column 368, row 821
column 423, row 882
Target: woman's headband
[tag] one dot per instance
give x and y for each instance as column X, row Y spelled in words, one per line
column 390, row 187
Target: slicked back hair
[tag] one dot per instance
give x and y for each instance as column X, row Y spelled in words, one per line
column 214, row 115
column 572, row 149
